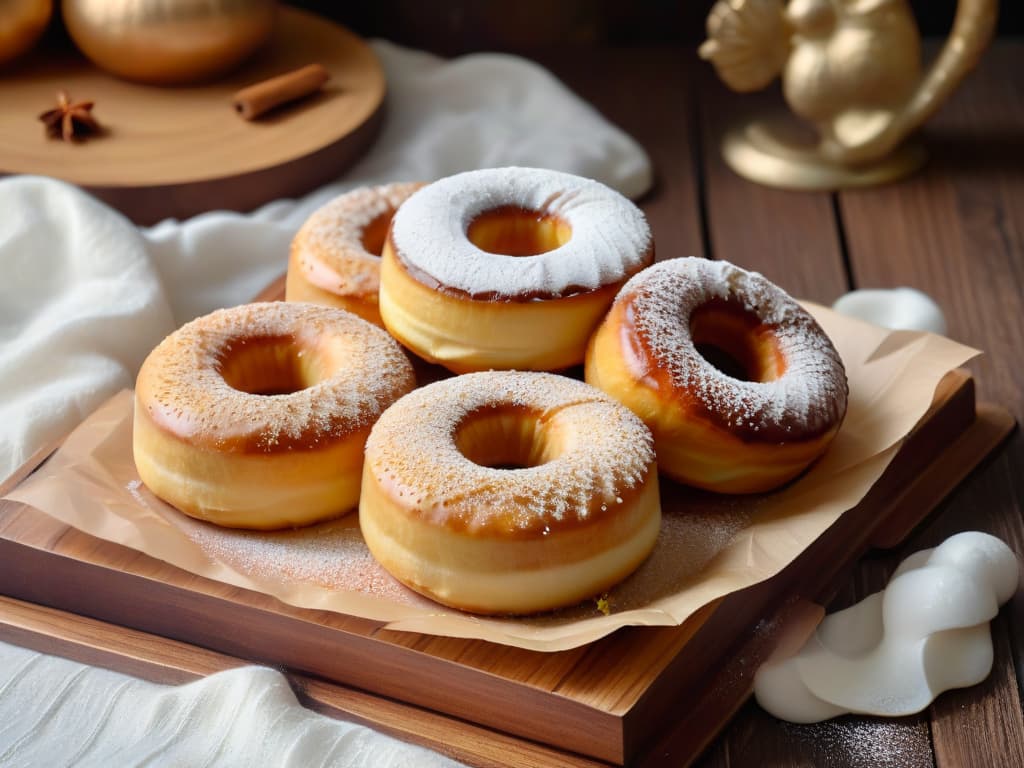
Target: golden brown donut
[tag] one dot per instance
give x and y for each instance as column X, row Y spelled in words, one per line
column 506, row 492
column 335, row 255
column 740, row 386
column 256, row 416
column 508, row 267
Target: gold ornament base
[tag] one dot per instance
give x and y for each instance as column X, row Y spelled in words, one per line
column 780, row 152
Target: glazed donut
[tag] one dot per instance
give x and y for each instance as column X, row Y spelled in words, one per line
column 509, row 492
column 508, row 267
column 335, row 255
column 256, row 416
column 740, row 386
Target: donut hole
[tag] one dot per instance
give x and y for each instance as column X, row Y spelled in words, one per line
column 512, row 231
column 268, row 366
column 733, row 340
column 376, row 232
column 504, row 438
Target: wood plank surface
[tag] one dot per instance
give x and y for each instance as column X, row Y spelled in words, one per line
column 790, row 237
column 609, row 699
column 955, row 231
column 647, row 93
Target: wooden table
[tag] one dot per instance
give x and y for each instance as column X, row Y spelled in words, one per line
column 955, row 231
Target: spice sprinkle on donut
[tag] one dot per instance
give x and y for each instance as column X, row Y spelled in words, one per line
column 335, row 255
column 509, row 492
column 508, row 268
column 257, row 416
column 740, row 386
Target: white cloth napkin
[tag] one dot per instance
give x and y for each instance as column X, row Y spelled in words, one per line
column 87, row 295
column 59, row 713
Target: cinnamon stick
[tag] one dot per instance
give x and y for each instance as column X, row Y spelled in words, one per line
column 254, row 100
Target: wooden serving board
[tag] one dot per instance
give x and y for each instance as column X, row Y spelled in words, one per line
column 176, row 152
column 640, row 695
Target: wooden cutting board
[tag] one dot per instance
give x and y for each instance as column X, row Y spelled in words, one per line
column 176, row 152
column 640, row 695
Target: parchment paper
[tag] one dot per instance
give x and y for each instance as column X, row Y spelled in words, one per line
column 709, row 545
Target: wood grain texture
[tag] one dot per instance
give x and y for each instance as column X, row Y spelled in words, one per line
column 956, row 231
column 789, row 237
column 176, row 152
column 645, row 92
column 612, row 700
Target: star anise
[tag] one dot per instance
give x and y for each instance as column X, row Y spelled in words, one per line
column 69, row 120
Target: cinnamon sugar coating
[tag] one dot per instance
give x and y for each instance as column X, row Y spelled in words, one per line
column 598, row 454
column 360, row 371
column 330, row 247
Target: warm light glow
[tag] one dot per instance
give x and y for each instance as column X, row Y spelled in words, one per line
column 269, row 366
column 734, row 342
column 512, row 231
column 508, row 438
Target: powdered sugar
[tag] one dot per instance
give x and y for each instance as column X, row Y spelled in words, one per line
column 695, row 528
column 606, row 452
column 865, row 742
column 331, row 555
column 610, row 237
column 329, row 245
column 182, row 385
column 810, row 395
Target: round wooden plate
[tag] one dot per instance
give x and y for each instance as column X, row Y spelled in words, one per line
column 175, row 152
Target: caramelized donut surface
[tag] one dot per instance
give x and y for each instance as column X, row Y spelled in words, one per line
column 506, row 492
column 256, row 416
column 335, row 255
column 740, row 386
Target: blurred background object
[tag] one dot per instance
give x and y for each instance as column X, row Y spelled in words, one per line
column 22, row 22
column 849, row 70
column 168, row 42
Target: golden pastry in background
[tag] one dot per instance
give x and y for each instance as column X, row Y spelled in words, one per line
column 22, row 22
column 168, row 42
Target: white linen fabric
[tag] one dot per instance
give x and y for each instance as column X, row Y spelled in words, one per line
column 74, row 715
column 88, row 295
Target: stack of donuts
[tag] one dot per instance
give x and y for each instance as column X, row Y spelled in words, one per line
column 510, row 487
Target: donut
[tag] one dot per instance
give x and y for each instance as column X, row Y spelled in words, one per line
column 739, row 385
column 256, row 416
column 508, row 267
column 335, row 255
column 509, row 492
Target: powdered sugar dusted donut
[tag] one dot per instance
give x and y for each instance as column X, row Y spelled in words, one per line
column 505, row 492
column 335, row 255
column 740, row 386
column 508, row 267
column 256, row 416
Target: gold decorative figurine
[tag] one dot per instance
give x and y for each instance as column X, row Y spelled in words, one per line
column 851, row 70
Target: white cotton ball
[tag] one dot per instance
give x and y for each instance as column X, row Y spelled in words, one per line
column 896, row 308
